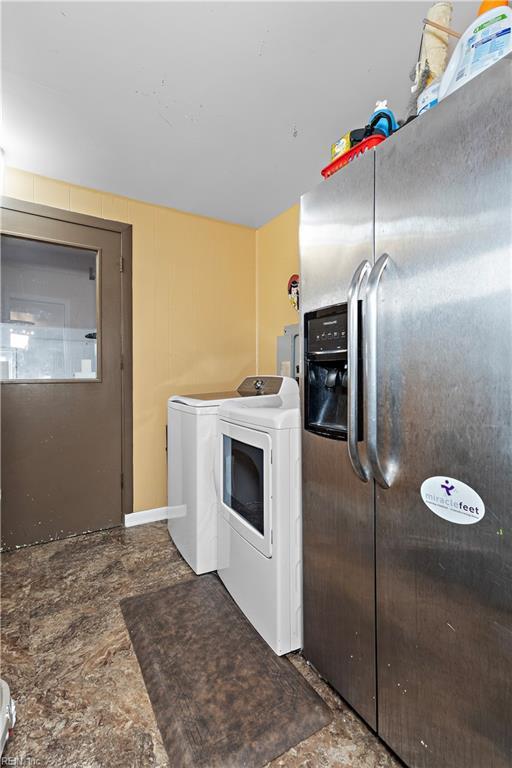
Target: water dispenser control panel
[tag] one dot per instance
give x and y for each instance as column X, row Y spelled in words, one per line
column 328, row 333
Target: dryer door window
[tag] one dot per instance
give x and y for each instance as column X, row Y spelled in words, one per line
column 243, row 481
column 246, row 483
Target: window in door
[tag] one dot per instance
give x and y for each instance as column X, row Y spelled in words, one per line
column 49, row 326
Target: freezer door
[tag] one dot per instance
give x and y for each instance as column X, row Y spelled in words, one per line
column 444, row 404
column 336, row 234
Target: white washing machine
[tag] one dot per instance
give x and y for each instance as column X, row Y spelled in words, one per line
column 192, row 426
column 260, row 521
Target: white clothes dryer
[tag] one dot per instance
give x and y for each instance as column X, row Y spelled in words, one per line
column 260, row 522
column 192, row 429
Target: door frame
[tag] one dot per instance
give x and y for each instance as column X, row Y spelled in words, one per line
column 126, row 329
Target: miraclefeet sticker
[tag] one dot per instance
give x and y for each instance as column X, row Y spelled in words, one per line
column 452, row 500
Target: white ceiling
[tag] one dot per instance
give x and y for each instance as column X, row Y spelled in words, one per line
column 222, row 109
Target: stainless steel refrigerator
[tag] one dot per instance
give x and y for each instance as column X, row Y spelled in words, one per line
column 406, row 294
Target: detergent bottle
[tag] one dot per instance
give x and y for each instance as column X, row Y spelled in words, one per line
column 483, row 43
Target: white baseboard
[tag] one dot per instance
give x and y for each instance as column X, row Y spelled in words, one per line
column 146, row 516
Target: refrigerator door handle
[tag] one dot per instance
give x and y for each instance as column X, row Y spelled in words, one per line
column 360, row 275
column 372, row 291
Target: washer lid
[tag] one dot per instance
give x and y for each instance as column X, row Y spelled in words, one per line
column 202, row 400
column 271, row 412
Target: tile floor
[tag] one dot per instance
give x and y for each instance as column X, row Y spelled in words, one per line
column 67, row 656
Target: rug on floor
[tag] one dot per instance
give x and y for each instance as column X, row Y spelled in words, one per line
column 221, row 697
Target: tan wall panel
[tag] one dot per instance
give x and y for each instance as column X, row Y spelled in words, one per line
column 50, row 192
column 194, row 325
column 115, row 208
column 19, row 184
column 214, row 290
column 85, row 201
column 277, row 258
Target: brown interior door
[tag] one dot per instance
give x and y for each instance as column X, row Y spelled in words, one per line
column 61, row 378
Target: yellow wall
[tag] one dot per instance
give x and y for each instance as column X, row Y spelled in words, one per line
column 193, row 309
column 277, row 258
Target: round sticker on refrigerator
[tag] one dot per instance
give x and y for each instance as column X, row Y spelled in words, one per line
column 452, row 500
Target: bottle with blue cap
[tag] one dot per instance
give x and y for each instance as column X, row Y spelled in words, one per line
column 383, row 120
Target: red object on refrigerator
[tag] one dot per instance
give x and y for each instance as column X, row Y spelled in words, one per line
column 346, row 157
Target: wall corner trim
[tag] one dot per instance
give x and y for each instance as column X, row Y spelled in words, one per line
column 146, row 516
